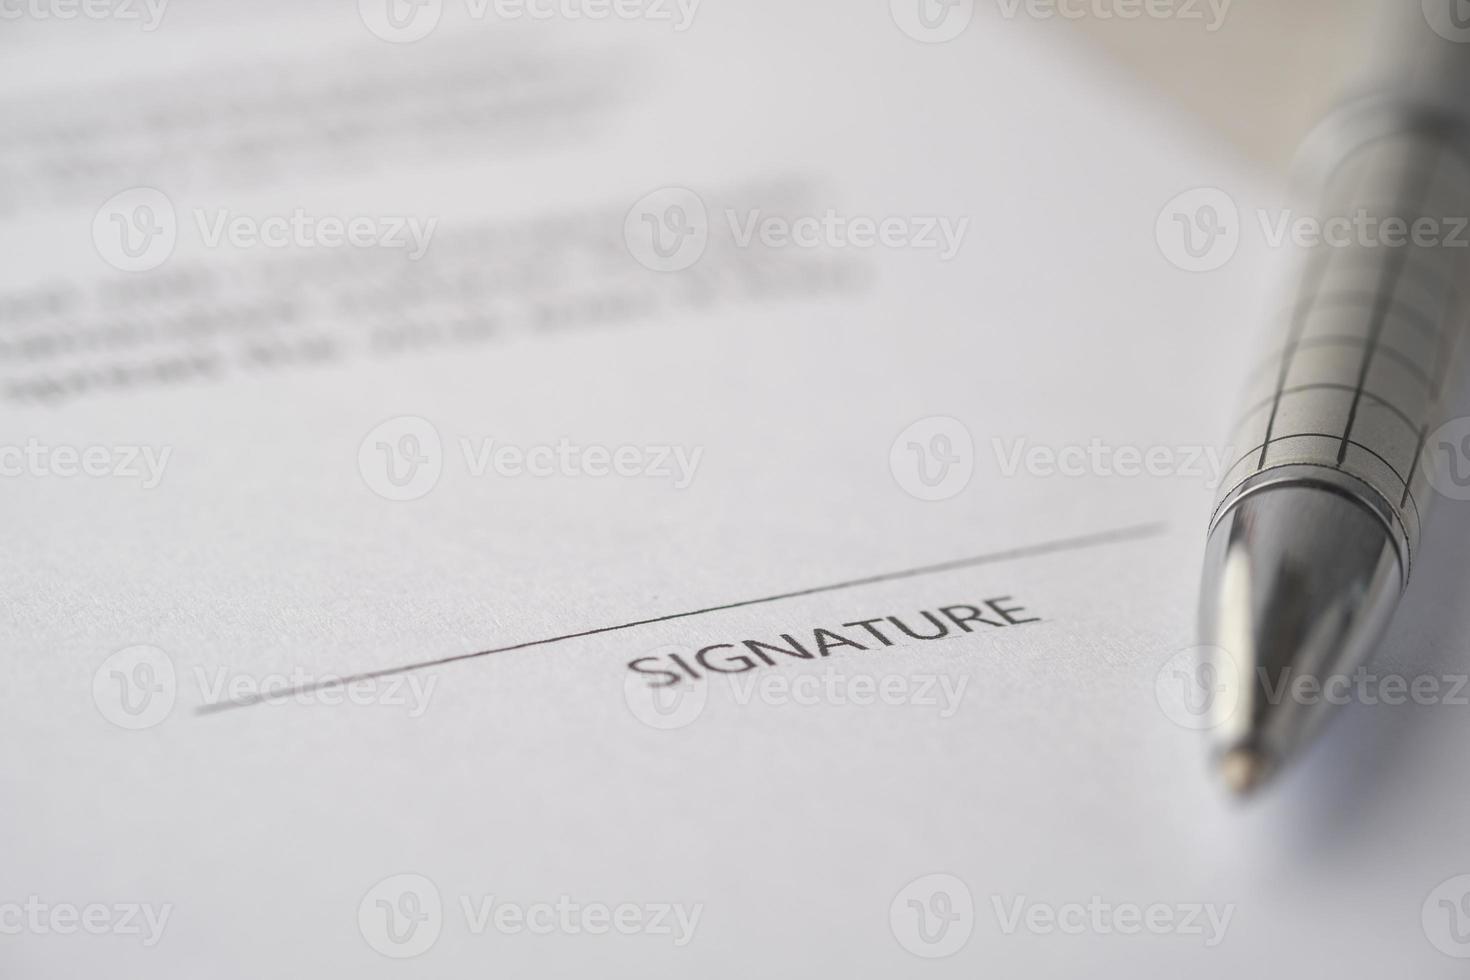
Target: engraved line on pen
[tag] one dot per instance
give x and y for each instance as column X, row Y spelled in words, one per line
column 1117, row 535
column 1310, row 284
column 1414, row 460
column 1225, row 500
column 1391, row 271
column 1442, row 272
column 1437, row 281
column 1324, row 386
column 1449, row 349
column 1345, row 340
column 1380, row 316
column 1408, row 494
column 1344, row 300
column 1324, row 435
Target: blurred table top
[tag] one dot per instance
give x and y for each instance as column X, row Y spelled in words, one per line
column 1262, row 77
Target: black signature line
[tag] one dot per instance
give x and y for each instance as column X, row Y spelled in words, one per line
column 1131, row 533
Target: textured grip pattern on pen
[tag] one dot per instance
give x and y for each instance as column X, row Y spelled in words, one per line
column 1371, row 330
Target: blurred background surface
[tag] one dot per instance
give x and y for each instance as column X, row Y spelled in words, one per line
column 1262, row 79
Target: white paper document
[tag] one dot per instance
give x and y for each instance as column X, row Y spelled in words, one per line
column 714, row 489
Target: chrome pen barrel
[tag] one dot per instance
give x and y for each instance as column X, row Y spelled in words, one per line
column 1314, row 534
column 1370, row 332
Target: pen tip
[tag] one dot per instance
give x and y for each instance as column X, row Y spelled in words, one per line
column 1244, row 771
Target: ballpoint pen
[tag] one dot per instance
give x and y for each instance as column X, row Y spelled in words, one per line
column 1314, row 535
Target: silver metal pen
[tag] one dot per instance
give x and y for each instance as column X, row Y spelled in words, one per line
column 1314, row 536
